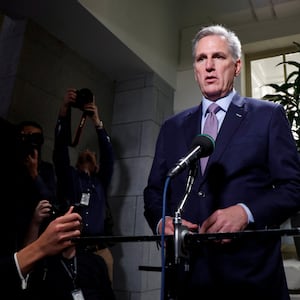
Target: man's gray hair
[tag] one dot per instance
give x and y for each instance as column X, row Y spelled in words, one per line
column 233, row 41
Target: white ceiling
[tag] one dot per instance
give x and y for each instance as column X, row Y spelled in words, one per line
column 236, row 12
column 61, row 17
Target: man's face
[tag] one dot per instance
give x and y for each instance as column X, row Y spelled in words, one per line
column 214, row 67
column 87, row 161
column 30, row 139
column 30, row 130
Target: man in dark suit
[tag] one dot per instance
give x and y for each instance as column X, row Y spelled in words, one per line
column 251, row 181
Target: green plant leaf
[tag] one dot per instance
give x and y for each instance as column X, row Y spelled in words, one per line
column 288, row 95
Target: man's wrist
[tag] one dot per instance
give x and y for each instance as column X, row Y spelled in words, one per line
column 248, row 212
column 99, row 124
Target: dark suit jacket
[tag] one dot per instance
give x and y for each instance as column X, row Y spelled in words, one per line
column 255, row 162
column 10, row 282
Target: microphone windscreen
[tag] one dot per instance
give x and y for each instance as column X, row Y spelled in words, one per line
column 206, row 142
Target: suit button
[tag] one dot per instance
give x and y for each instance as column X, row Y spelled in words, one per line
column 201, row 194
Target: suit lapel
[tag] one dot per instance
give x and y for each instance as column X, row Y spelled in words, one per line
column 234, row 116
column 191, row 125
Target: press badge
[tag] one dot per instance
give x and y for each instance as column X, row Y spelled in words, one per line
column 77, row 294
column 85, row 199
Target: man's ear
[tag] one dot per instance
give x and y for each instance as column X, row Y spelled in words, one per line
column 238, row 66
column 195, row 76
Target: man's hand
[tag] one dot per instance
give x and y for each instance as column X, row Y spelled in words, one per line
column 31, row 163
column 231, row 219
column 69, row 100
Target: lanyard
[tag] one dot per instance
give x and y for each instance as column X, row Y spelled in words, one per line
column 71, row 268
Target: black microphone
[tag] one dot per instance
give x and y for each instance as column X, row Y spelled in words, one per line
column 203, row 145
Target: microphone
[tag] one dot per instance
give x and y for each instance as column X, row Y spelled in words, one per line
column 203, row 145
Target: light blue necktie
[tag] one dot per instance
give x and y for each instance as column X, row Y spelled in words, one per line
column 211, row 128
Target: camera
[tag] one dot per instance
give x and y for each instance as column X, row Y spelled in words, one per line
column 83, row 96
column 55, row 211
column 27, row 143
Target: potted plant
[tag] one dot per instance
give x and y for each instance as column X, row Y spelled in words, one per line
column 288, row 94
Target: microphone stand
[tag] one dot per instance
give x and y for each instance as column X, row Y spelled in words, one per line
column 177, row 254
column 179, row 230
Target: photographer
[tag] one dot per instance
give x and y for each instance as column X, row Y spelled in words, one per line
column 35, row 189
column 20, row 262
column 85, row 186
column 36, row 181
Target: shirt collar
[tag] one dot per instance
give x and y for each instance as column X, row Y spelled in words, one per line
column 222, row 102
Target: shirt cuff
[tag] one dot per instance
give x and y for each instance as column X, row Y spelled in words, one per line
column 248, row 212
column 158, row 226
column 23, row 280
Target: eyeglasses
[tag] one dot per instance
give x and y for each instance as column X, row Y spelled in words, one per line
column 35, row 138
